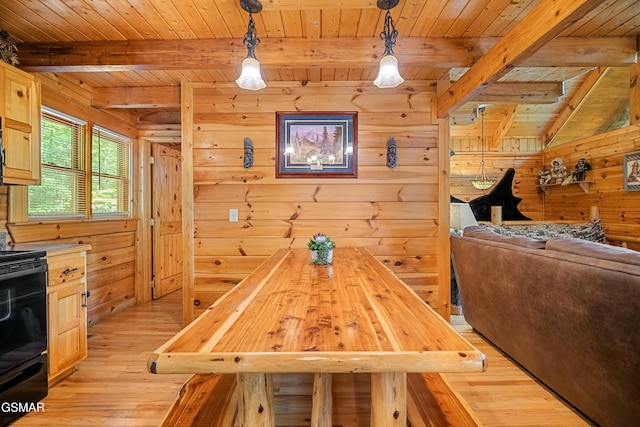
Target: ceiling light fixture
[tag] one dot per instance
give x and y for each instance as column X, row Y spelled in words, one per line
column 482, row 181
column 388, row 75
column 250, row 77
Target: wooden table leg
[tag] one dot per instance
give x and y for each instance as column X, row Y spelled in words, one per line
column 322, row 407
column 388, row 399
column 256, row 402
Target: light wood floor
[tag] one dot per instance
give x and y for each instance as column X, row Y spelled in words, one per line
column 112, row 386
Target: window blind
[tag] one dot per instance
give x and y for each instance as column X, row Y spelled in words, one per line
column 109, row 172
column 63, row 191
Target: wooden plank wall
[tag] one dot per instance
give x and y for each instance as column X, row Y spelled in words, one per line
column 394, row 212
column 522, row 154
column 619, row 209
column 111, row 262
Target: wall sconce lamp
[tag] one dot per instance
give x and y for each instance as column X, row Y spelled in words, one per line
column 392, row 156
column 388, row 75
column 250, row 77
column 248, row 153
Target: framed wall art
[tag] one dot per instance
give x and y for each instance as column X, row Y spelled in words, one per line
column 632, row 172
column 317, row 144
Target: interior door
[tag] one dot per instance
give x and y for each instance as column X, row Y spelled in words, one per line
column 167, row 220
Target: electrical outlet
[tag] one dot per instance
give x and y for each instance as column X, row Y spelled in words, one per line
column 233, row 215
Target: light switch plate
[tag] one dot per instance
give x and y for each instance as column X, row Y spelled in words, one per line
column 233, row 215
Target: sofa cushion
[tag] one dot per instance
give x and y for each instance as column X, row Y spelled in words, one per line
column 477, row 232
column 592, row 231
column 594, row 250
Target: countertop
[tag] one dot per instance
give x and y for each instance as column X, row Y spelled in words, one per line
column 50, row 248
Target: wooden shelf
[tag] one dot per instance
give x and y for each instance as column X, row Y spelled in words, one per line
column 583, row 184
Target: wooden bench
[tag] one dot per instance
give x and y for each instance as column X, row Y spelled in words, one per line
column 432, row 402
column 205, row 400
column 211, row 400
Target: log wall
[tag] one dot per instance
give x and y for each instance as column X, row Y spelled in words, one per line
column 619, row 209
column 522, row 154
column 393, row 212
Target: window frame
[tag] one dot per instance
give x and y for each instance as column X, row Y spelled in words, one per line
column 125, row 181
column 123, row 176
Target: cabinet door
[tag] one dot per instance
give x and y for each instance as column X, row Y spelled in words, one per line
column 67, row 327
column 21, row 128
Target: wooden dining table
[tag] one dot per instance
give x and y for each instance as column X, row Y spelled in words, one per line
column 291, row 316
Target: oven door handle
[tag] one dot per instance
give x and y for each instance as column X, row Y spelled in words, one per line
column 7, row 303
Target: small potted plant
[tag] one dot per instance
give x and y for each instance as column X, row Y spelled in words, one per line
column 321, row 247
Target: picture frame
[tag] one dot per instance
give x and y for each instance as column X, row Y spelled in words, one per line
column 632, row 172
column 317, row 144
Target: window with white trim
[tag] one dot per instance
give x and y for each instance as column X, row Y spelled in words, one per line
column 109, row 173
column 85, row 171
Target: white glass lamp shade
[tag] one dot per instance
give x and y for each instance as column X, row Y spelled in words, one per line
column 388, row 76
column 461, row 216
column 482, row 184
column 250, row 77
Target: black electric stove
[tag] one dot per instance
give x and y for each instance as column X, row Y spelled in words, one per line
column 23, row 331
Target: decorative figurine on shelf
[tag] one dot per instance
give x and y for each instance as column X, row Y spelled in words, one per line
column 580, row 171
column 8, row 49
column 321, row 247
column 558, row 171
column 545, row 175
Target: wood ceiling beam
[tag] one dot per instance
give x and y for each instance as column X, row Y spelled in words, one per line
column 573, row 105
column 544, row 23
column 504, row 126
column 290, row 53
column 464, row 116
column 169, row 96
column 136, row 97
column 521, row 93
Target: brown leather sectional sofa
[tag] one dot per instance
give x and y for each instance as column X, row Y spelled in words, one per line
column 566, row 310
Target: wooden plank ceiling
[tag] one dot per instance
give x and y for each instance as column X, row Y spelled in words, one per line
column 117, row 47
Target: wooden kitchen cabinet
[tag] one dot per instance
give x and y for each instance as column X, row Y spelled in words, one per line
column 20, row 115
column 67, row 309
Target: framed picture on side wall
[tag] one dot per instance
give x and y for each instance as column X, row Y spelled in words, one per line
column 317, row 144
column 632, row 172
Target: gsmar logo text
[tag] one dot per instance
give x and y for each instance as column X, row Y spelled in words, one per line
column 20, row 407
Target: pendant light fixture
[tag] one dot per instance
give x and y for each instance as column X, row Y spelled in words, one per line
column 388, row 75
column 482, row 181
column 250, row 77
